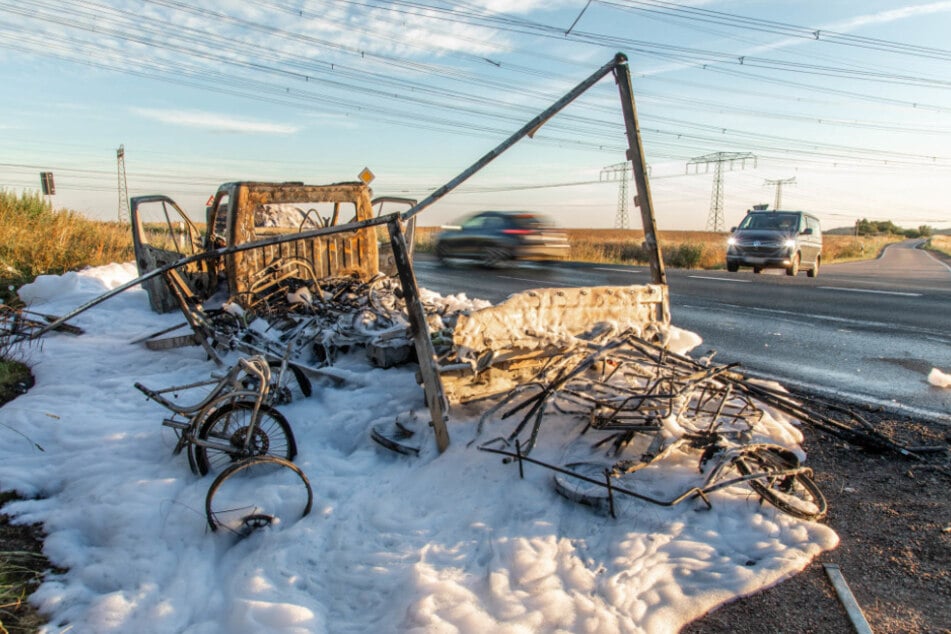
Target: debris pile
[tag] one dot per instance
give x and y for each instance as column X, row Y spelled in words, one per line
column 310, row 322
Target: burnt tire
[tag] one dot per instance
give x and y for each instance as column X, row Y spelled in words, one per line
column 228, row 430
column 793, row 494
column 294, row 385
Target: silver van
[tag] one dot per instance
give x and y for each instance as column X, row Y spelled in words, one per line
column 790, row 240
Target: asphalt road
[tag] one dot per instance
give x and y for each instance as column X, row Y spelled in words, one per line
column 867, row 331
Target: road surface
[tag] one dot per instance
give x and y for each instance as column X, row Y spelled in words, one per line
column 867, row 331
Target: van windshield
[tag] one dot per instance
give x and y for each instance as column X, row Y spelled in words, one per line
column 771, row 221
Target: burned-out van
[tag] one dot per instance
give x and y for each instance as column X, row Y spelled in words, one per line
column 251, row 212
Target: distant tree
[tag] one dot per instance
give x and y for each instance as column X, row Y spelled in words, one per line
column 866, row 227
column 925, row 231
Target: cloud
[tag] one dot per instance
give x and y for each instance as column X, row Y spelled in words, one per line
column 859, row 21
column 214, row 122
column 891, row 15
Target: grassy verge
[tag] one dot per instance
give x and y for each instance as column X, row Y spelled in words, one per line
column 941, row 244
column 38, row 240
column 22, row 566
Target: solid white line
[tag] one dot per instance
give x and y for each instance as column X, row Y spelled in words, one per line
column 522, row 279
column 932, row 256
column 718, row 279
column 866, row 290
column 935, row 416
column 604, row 268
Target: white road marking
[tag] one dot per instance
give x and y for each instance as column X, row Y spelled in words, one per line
column 523, row 279
column 867, row 290
column 931, row 255
column 794, row 316
column 719, row 279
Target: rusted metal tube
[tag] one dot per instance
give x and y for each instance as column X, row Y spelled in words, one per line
column 635, row 154
column 528, row 129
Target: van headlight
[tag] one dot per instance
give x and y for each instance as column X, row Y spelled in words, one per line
column 731, row 241
column 789, row 244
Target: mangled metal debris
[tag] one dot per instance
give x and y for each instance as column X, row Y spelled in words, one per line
column 636, row 405
column 261, row 237
column 21, row 324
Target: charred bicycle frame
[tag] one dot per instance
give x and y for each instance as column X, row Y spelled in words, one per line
column 362, row 230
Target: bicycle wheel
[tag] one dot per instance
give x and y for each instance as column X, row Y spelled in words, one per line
column 293, row 385
column 277, row 489
column 227, row 432
column 795, row 495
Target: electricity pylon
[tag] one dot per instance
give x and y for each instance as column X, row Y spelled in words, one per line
column 123, row 213
column 779, row 182
column 619, row 172
column 718, row 159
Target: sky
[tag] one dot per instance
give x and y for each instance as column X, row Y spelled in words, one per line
column 839, row 108
column 450, row 542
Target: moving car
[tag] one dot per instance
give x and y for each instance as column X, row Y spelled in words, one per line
column 790, row 240
column 494, row 237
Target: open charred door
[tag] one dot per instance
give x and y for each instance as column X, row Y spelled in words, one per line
column 384, row 205
column 161, row 235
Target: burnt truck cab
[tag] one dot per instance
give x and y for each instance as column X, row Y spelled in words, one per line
column 790, row 240
column 250, row 211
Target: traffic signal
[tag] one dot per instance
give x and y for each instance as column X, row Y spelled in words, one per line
column 46, row 181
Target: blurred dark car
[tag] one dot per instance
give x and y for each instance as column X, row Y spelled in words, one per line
column 494, row 237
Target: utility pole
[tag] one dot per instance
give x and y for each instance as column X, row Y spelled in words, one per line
column 718, row 160
column 779, row 188
column 619, row 172
column 123, row 212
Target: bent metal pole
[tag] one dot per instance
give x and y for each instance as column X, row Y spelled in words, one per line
column 529, row 129
column 635, row 153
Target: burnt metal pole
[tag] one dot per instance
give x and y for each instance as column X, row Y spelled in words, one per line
column 529, row 129
column 635, row 154
column 425, row 353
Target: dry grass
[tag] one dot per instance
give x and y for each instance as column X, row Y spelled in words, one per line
column 681, row 249
column 38, row 240
column 940, row 243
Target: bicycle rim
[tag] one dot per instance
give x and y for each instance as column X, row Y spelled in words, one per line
column 256, row 493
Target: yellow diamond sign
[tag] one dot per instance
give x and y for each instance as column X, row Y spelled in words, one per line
column 366, row 176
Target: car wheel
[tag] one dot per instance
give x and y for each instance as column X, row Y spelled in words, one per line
column 441, row 253
column 814, row 271
column 757, row 269
column 793, row 268
column 732, row 267
column 494, row 256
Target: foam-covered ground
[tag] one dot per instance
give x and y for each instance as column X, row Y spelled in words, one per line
column 436, row 543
